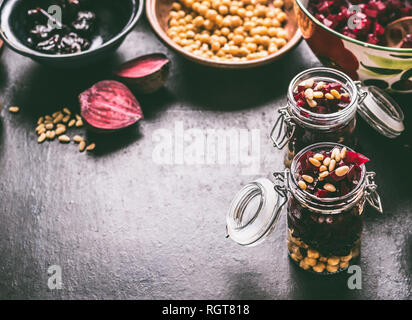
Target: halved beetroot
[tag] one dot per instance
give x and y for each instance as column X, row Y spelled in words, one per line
column 109, row 105
column 145, row 74
column 355, row 158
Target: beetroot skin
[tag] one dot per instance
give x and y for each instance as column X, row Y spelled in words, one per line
column 109, row 105
column 145, row 74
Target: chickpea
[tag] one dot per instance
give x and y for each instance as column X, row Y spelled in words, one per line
column 265, row 40
column 239, row 30
column 188, row 18
column 202, row 10
column 206, row 3
column 260, row 11
column 238, row 39
column 263, row 30
column 249, row 40
column 220, row 53
column 273, row 32
column 190, row 34
column 248, row 25
column 223, row 9
column 243, row 51
column 278, row 3
column 198, row 21
column 189, row 3
column 276, row 23
column 241, row 12
column 225, row 31
column 211, row 14
column 182, row 21
column 271, row 13
column 181, row 13
column 219, row 20
column 222, row 40
column 230, row 36
column 173, row 14
column 250, row 7
column 282, row 17
column 234, row 50
column 282, row 33
column 226, row 3
column 176, row 6
column 233, row 9
column 227, row 21
column 235, row 21
column 249, row 14
column 267, row 22
column 208, row 24
column 256, row 39
column 196, row 6
column 173, row 22
column 252, row 47
column 215, row 45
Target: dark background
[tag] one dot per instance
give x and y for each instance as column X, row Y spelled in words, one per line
column 122, row 226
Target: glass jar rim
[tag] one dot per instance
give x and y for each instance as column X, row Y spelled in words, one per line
column 352, row 194
column 342, row 114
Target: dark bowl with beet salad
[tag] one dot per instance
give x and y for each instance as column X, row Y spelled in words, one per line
column 67, row 33
column 327, row 183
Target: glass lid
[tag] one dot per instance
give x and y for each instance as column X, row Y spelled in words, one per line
column 253, row 212
column 381, row 112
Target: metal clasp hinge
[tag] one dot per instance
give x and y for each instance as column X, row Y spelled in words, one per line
column 372, row 195
column 282, row 136
column 361, row 94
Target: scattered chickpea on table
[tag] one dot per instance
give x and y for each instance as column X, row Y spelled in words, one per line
column 229, row 30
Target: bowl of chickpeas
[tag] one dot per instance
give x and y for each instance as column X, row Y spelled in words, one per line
column 226, row 33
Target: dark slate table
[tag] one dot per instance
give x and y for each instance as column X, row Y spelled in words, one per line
column 122, row 225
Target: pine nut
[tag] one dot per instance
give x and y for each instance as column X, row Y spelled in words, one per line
column 326, row 162
column 54, row 115
column 58, row 118
column 318, row 94
column 78, row 139
column 341, row 171
column 335, row 93
column 66, row 119
column 346, row 95
column 79, row 123
column 307, row 178
column 14, row 109
column 332, row 165
column 309, row 94
column 343, row 153
column 60, row 125
column 320, row 85
column 82, row 145
column 315, row 162
column 319, row 157
column 302, row 185
column 323, row 174
column 91, row 147
column 311, row 103
column 48, row 118
column 41, row 138
column 323, row 168
column 335, row 152
column 329, row 96
column 64, row 139
column 71, row 123
column 40, row 126
column 333, row 261
column 329, row 187
column 49, row 126
column 43, row 130
column 309, row 83
column 60, row 130
column 50, row 135
column 67, row 111
column 78, row 117
column 40, row 121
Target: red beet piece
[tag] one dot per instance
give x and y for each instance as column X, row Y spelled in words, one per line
column 145, row 74
column 320, row 193
column 355, row 158
column 109, row 105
